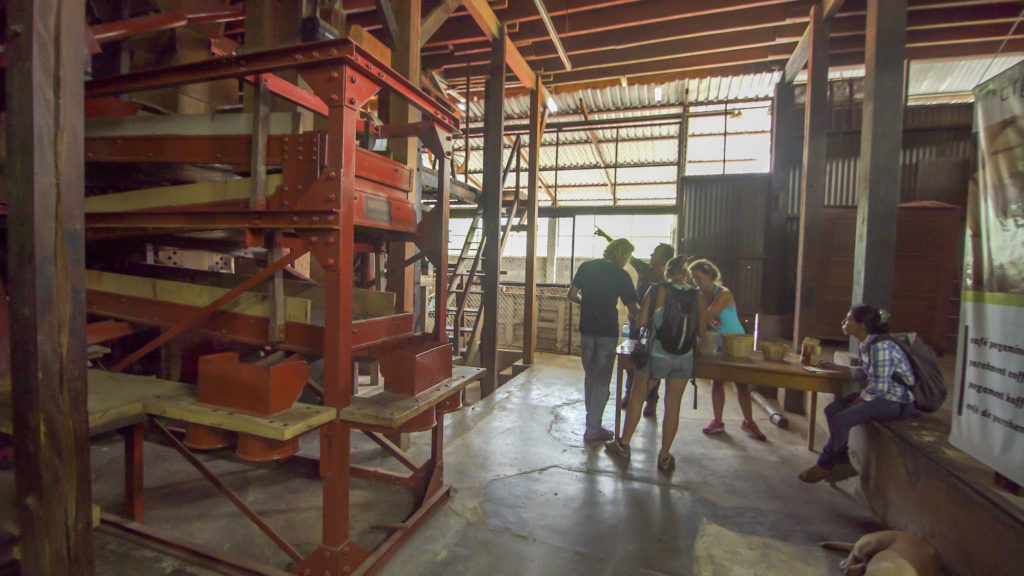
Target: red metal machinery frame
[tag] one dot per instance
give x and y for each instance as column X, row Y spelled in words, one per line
column 333, row 195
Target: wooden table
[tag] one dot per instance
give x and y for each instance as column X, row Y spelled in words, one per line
column 788, row 374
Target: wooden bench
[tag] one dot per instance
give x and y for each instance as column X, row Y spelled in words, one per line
column 296, row 421
column 390, row 411
column 115, row 400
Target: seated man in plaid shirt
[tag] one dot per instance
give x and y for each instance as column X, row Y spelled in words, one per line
column 887, row 396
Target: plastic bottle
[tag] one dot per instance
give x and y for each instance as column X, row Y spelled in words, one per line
column 625, row 329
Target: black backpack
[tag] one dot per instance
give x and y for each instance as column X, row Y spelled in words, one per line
column 929, row 387
column 678, row 331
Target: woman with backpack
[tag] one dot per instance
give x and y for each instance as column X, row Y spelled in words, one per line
column 722, row 318
column 887, row 396
column 673, row 316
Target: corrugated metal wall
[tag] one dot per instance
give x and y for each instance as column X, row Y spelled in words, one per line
column 725, row 223
column 932, row 132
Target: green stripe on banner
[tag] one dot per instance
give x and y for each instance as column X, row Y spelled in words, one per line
column 997, row 298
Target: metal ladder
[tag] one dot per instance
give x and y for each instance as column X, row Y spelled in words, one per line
column 462, row 322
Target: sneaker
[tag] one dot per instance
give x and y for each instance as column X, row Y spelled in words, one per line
column 666, row 463
column 651, row 410
column 814, row 474
column 599, row 435
column 716, row 427
column 751, row 428
column 616, row 448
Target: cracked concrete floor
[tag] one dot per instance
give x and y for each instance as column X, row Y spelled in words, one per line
column 530, row 498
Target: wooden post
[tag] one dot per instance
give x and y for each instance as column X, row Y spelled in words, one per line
column 684, row 127
column 406, row 61
column 494, row 101
column 530, row 300
column 777, row 212
column 812, row 188
column 878, row 187
column 45, row 143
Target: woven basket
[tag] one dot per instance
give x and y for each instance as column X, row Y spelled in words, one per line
column 774, row 351
column 737, row 345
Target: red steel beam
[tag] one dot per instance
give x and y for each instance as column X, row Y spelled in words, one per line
column 197, row 317
column 97, row 332
column 245, row 328
column 121, row 29
column 290, row 92
column 311, row 55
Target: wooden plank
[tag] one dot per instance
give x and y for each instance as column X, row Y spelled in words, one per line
column 298, row 420
column 183, row 195
column 386, row 410
column 115, row 400
column 251, row 303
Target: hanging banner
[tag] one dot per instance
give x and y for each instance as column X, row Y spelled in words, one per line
column 988, row 409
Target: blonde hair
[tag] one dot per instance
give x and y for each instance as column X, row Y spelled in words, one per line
column 707, row 268
column 675, row 266
column 618, row 247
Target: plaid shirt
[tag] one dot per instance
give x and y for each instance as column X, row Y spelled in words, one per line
column 880, row 362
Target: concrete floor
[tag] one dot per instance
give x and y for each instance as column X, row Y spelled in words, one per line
column 529, row 497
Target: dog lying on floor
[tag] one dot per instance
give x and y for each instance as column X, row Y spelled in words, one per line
column 889, row 553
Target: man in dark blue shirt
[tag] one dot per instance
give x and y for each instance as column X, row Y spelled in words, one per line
column 597, row 287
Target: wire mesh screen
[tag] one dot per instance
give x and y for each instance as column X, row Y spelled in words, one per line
column 556, row 319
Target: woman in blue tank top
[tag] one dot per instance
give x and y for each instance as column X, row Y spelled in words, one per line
column 724, row 320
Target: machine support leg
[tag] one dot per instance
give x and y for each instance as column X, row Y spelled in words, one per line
column 133, row 473
column 229, row 494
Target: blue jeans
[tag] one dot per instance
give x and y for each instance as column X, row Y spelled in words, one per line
column 598, row 355
column 843, row 415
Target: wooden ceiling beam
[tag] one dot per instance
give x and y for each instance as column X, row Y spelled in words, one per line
column 709, row 25
column 607, row 51
column 802, row 51
column 610, row 18
column 439, row 15
column 485, row 18
column 920, row 14
column 846, row 50
column 646, row 53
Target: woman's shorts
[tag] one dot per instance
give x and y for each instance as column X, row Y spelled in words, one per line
column 675, row 367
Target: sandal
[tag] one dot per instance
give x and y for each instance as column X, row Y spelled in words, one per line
column 666, row 463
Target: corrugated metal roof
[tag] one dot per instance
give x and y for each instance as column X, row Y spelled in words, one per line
column 644, row 96
column 647, row 154
column 933, row 77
